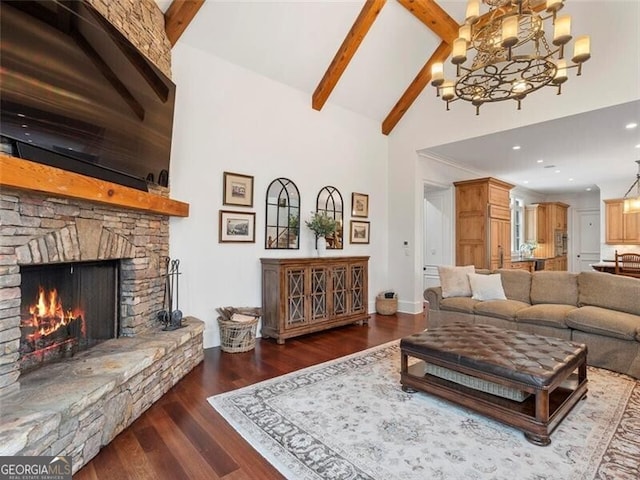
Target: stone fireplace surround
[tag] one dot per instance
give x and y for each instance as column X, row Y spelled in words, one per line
column 76, row 406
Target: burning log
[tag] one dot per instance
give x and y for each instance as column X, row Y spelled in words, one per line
column 49, row 331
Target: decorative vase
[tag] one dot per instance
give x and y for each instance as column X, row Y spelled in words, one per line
column 321, row 246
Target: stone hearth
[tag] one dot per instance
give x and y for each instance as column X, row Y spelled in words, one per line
column 76, row 406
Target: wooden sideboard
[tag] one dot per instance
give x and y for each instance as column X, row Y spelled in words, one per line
column 305, row 295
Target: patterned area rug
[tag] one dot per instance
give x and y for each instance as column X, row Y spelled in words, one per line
column 349, row 419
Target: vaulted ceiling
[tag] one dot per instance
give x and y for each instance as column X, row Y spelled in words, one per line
column 373, row 57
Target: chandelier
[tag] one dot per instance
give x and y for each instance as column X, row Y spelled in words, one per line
column 632, row 204
column 513, row 57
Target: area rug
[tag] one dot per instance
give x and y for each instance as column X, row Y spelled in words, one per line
column 349, row 419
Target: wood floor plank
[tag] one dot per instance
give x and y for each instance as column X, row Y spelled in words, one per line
column 131, row 454
column 182, row 437
column 159, row 455
column 205, row 443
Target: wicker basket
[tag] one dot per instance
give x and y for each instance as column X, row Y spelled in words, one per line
column 386, row 306
column 237, row 336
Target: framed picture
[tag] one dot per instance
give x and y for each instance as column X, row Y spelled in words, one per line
column 238, row 190
column 237, row 227
column 359, row 205
column 359, row 232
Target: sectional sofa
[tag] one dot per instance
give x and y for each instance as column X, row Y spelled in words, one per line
column 600, row 310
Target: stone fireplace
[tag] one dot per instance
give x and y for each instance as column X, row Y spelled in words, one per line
column 73, row 406
column 38, row 230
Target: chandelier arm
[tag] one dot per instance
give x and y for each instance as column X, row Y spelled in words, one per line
column 637, row 182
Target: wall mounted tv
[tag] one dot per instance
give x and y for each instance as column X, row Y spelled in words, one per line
column 77, row 95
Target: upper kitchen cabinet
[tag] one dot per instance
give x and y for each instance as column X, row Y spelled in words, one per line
column 621, row 228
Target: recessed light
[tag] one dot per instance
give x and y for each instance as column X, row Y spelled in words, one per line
column 539, row 161
column 571, row 179
column 525, row 181
column 21, row 115
column 631, row 125
column 557, row 171
column 638, row 145
column 27, row 133
column 516, row 147
column 24, row 125
column 588, row 189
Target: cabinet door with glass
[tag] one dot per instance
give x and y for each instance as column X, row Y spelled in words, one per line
column 296, row 298
column 358, row 288
column 319, row 293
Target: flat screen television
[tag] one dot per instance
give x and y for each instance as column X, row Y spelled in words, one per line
column 77, row 95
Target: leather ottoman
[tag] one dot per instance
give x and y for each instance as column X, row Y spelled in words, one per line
column 543, row 377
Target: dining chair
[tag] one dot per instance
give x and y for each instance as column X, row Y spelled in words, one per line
column 627, row 264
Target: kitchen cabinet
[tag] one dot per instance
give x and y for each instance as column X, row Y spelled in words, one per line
column 483, row 223
column 305, row 295
column 535, row 220
column 546, row 225
column 621, row 228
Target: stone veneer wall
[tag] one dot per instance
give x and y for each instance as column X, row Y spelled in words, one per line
column 142, row 22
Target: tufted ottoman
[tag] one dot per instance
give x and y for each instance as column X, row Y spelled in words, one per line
column 524, row 380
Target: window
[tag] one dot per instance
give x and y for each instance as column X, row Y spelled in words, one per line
column 517, row 224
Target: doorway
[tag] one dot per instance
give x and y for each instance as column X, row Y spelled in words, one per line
column 437, row 232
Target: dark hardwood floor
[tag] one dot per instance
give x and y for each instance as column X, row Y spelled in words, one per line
column 183, row 437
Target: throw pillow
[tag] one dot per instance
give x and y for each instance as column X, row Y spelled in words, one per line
column 486, row 287
column 455, row 281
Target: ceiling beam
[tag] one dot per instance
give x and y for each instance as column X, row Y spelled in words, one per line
column 434, row 17
column 440, row 23
column 345, row 53
column 415, row 88
column 178, row 16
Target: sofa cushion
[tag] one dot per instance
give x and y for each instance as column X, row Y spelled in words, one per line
column 486, row 287
column 603, row 321
column 454, row 280
column 615, row 292
column 505, row 309
column 554, row 287
column 549, row 314
column 516, row 284
column 458, row 304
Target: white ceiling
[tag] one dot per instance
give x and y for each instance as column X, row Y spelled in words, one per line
column 294, row 41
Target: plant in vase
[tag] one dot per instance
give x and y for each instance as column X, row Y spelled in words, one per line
column 322, row 225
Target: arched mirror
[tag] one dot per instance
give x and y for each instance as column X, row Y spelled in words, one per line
column 330, row 202
column 282, row 227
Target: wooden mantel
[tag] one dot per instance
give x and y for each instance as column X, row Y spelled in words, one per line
column 27, row 175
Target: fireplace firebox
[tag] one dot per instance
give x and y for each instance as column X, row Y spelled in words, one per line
column 66, row 308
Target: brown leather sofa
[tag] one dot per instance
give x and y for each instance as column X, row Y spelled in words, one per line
column 598, row 309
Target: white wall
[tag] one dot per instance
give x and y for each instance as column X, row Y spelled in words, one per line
column 230, row 119
column 615, row 58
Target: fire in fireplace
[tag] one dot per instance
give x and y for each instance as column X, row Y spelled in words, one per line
column 66, row 308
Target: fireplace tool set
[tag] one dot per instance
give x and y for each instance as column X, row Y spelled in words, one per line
column 170, row 318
